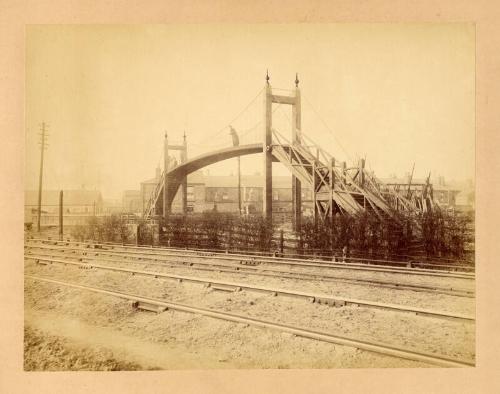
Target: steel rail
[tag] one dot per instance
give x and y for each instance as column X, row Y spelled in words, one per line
column 250, row 270
column 258, row 271
column 467, row 268
column 319, row 259
column 376, row 347
column 292, row 262
column 285, row 256
column 356, row 262
column 309, row 257
column 234, row 286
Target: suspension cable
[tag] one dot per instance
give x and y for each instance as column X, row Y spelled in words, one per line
column 328, row 128
column 235, row 118
column 246, row 131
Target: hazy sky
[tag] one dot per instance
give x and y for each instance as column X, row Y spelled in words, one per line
column 395, row 93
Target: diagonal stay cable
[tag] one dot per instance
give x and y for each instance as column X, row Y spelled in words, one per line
column 234, row 119
column 327, row 127
column 245, row 132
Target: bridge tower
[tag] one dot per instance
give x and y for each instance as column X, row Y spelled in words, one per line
column 167, row 166
column 184, row 180
column 294, row 101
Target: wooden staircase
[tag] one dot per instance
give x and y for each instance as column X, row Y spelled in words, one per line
column 333, row 189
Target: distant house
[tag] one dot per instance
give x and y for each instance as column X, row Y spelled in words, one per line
column 132, row 202
column 112, row 206
column 443, row 194
column 465, row 201
column 220, row 192
column 223, row 192
column 77, row 205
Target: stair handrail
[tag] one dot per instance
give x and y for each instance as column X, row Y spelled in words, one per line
column 153, row 196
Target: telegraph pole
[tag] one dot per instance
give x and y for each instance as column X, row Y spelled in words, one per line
column 43, row 139
column 236, row 142
column 239, row 184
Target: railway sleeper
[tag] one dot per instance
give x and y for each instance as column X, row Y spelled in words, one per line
column 221, row 287
column 330, row 302
column 149, row 307
column 249, row 262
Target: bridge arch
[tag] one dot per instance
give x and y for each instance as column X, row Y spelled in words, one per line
column 176, row 175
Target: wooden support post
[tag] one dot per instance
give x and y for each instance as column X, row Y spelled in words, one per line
column 314, row 197
column 184, row 180
column 239, row 185
column 165, row 179
column 282, row 242
column 267, row 196
column 61, row 215
column 362, row 172
column 296, row 184
column 296, row 203
column 43, row 138
column 332, row 186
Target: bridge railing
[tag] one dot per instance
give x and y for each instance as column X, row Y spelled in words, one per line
column 153, row 197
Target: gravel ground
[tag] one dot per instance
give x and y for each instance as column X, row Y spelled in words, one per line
column 402, row 278
column 177, row 340
column 45, row 352
column 421, row 333
column 442, row 302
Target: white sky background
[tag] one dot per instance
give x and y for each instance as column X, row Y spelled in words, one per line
column 397, row 93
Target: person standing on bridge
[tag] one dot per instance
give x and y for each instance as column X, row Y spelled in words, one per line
column 234, row 135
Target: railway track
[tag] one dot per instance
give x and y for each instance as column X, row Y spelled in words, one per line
column 232, row 286
column 365, row 266
column 141, row 252
column 157, row 305
column 120, row 257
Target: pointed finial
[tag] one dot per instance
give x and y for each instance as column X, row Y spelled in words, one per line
column 296, row 80
column 267, row 76
column 184, row 134
column 166, row 134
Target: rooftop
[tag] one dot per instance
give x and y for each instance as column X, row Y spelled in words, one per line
column 70, row 197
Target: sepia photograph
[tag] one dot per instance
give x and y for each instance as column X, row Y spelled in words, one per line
column 249, row 196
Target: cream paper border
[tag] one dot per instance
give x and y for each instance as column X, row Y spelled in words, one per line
column 15, row 15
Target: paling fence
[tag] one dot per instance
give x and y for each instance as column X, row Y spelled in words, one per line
column 432, row 237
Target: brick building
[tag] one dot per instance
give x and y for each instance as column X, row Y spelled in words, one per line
column 220, row 192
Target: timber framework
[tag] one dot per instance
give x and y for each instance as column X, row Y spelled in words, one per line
column 336, row 187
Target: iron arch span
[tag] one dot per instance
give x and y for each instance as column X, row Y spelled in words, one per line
column 177, row 174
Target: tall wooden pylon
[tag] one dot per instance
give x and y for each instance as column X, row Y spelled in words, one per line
column 267, row 195
column 296, row 138
column 168, row 166
column 294, row 101
column 166, row 208
column 184, row 180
